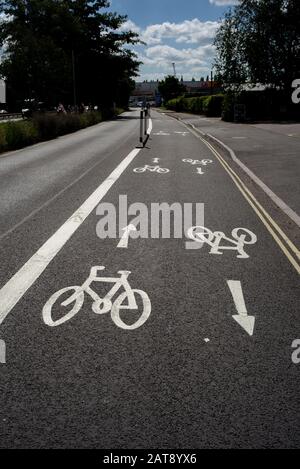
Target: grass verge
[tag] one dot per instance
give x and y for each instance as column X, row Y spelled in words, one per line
column 19, row 134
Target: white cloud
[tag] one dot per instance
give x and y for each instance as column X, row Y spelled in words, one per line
column 189, row 31
column 190, row 62
column 130, row 25
column 163, row 53
column 222, row 3
column 188, row 44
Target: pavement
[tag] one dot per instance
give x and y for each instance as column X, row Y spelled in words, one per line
column 270, row 150
column 204, row 357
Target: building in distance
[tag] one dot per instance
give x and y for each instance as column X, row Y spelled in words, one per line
column 147, row 91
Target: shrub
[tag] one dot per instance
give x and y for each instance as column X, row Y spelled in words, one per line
column 3, row 142
column 212, row 105
column 92, row 118
column 176, row 104
column 195, row 105
column 53, row 125
column 14, row 135
column 108, row 113
column 268, row 104
column 209, row 105
column 19, row 134
column 46, row 125
column 228, row 107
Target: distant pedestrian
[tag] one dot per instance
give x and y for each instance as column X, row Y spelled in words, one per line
column 60, row 109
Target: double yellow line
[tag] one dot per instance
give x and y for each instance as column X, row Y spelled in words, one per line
column 285, row 244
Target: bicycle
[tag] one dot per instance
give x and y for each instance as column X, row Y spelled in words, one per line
column 101, row 305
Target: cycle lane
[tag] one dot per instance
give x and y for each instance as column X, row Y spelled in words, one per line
column 161, row 384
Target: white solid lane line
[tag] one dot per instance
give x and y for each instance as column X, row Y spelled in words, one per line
column 17, row 286
column 2, row 351
column 61, row 192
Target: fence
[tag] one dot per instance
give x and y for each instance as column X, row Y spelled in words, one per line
column 10, row 116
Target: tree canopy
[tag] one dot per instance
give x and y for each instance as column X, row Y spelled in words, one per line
column 46, row 43
column 170, row 88
column 259, row 42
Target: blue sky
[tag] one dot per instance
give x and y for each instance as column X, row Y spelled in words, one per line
column 179, row 31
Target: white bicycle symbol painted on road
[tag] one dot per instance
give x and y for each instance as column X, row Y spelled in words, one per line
column 240, row 237
column 196, row 162
column 101, row 305
column 153, row 169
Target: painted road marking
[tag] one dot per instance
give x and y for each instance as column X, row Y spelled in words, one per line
column 282, row 205
column 2, row 351
column 155, row 160
column 240, row 237
column 242, row 318
column 161, row 133
column 265, row 218
column 196, row 162
column 16, row 287
column 199, row 171
column 52, row 199
column 101, row 305
column 152, row 169
column 125, row 236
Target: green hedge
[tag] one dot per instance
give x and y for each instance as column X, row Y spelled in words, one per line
column 14, row 135
column 269, row 104
column 211, row 106
column 19, row 134
column 265, row 105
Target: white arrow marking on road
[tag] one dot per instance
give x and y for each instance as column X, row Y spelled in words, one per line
column 16, row 287
column 125, row 236
column 200, row 171
column 155, row 160
column 245, row 321
column 2, row 351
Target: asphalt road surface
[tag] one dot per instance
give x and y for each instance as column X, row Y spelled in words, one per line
column 271, row 151
column 201, row 357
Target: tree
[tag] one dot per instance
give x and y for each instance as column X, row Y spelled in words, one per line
column 230, row 62
column 259, row 42
column 170, row 88
column 45, row 40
